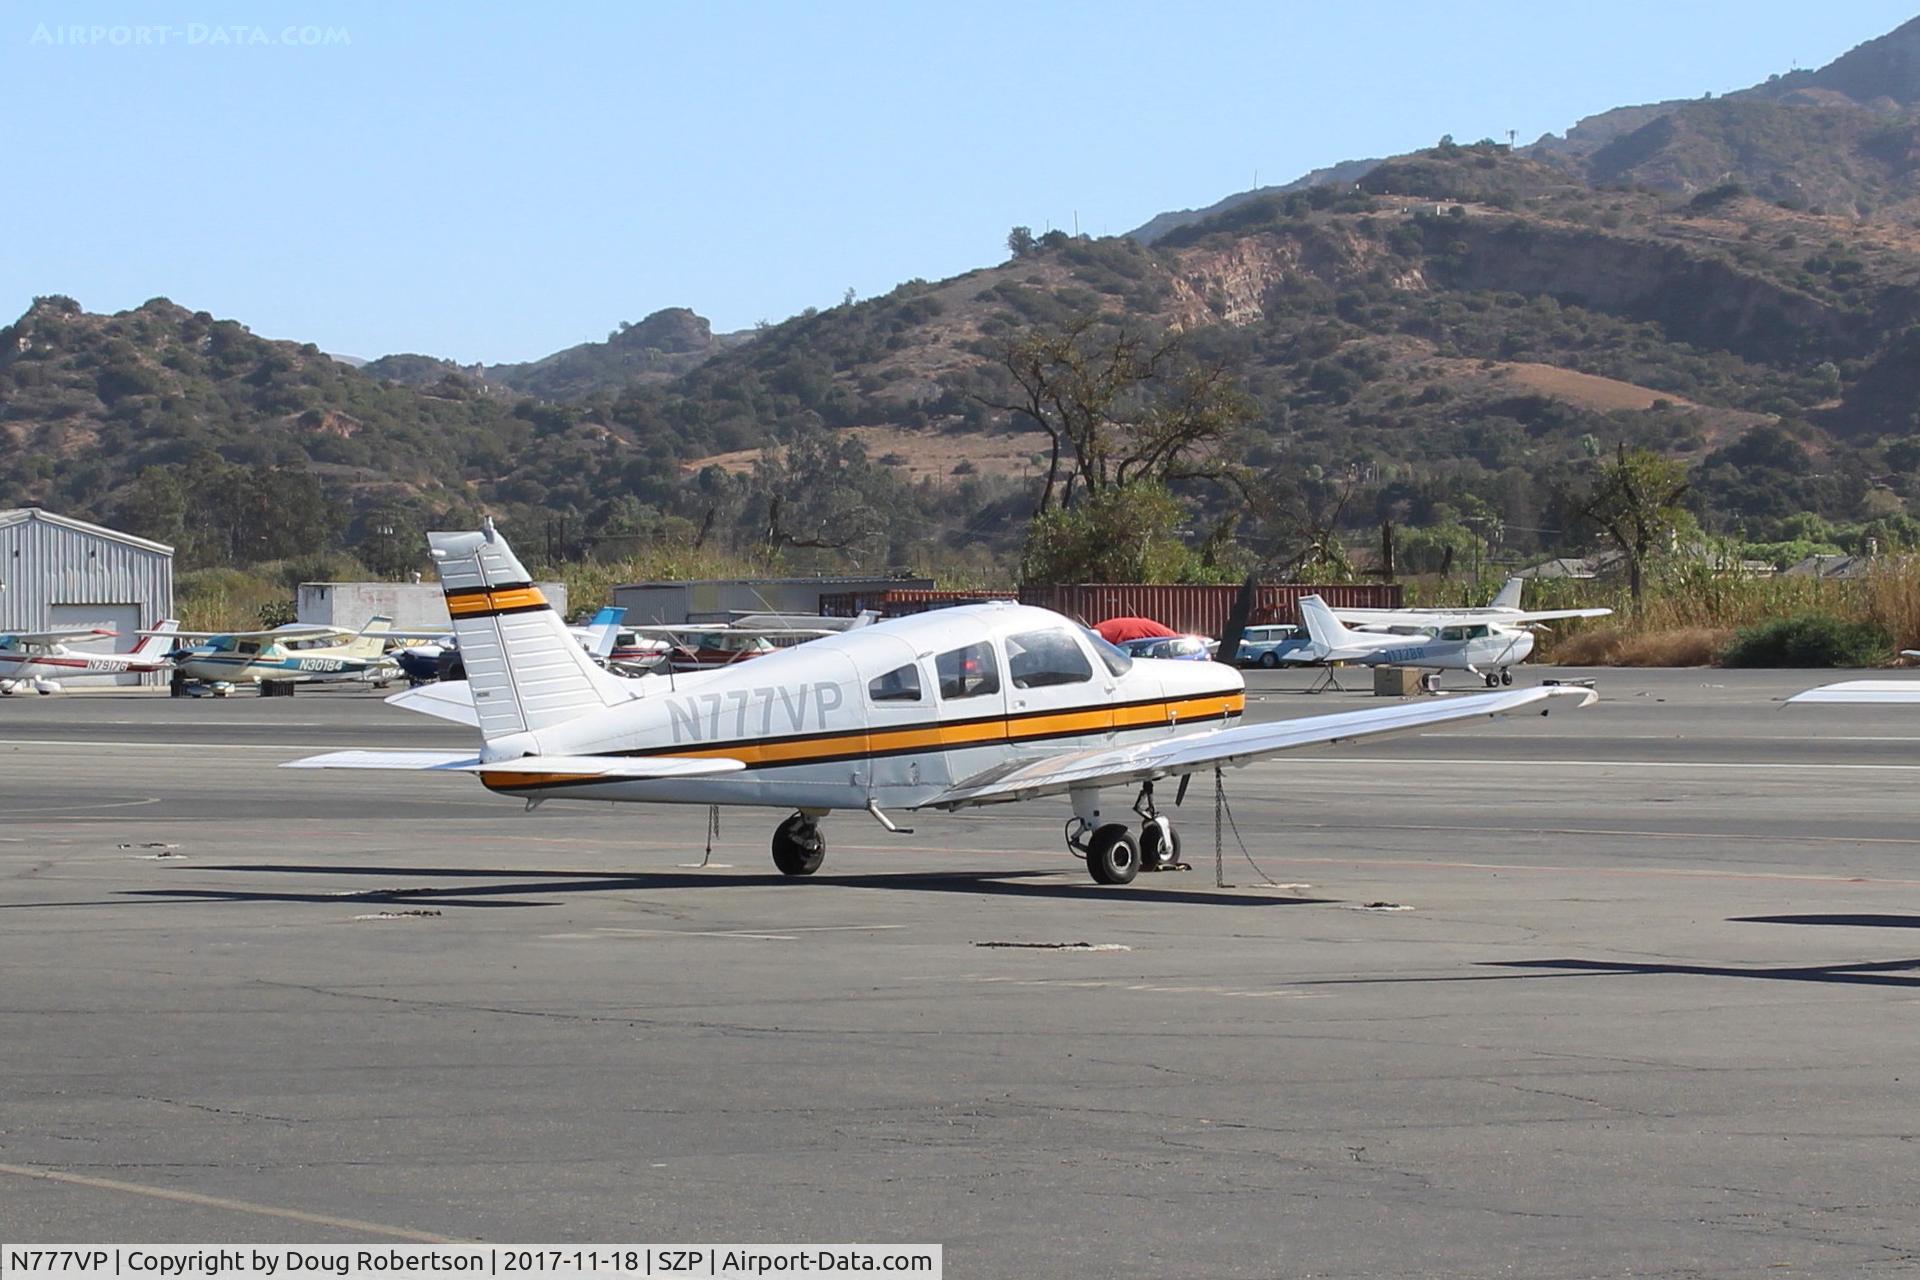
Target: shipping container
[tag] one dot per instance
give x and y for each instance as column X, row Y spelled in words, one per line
column 723, row 599
column 898, row 602
column 1202, row 610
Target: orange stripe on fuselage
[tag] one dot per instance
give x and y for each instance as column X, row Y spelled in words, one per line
column 978, row 733
column 476, row 603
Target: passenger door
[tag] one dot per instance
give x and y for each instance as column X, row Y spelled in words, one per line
column 1057, row 694
column 903, row 739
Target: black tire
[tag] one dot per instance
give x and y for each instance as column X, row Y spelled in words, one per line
column 798, row 846
column 1269, row 659
column 1152, row 855
column 1506, row 677
column 1112, row 855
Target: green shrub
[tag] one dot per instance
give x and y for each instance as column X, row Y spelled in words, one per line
column 1811, row 640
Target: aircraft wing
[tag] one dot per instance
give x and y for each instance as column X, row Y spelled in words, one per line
column 40, row 638
column 274, row 633
column 1884, row 692
column 1459, row 617
column 1117, row 766
column 526, row 769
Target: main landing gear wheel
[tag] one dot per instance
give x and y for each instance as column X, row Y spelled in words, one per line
column 1112, row 855
column 1493, row 679
column 1506, row 676
column 798, row 846
column 1159, row 846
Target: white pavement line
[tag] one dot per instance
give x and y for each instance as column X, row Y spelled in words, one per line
column 1675, row 737
column 1746, row 837
column 1530, row 763
column 87, row 743
column 220, row 1202
column 786, row 936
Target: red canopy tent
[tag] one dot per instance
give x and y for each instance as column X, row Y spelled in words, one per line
column 1120, row 630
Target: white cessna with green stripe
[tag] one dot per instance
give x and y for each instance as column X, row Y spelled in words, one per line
column 975, row 705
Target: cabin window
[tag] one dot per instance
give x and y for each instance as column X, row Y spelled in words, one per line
column 968, row 672
column 248, row 646
column 902, row 684
column 1036, row 659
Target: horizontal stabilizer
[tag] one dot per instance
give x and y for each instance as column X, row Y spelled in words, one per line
column 1884, row 692
column 445, row 700
column 609, row 767
column 439, row 760
column 524, row 769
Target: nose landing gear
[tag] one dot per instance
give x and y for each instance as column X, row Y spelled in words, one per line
column 798, row 846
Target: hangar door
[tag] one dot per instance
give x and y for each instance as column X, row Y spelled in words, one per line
column 123, row 618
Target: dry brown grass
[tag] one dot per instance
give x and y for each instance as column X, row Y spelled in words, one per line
column 1611, row 646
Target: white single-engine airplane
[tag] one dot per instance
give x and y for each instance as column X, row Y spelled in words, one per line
column 41, row 661
column 292, row 654
column 1489, row 650
column 973, row 705
column 1505, row 610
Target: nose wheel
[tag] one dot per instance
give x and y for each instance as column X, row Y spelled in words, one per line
column 798, row 846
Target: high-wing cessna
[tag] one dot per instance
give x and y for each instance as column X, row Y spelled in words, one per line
column 973, row 705
column 1505, row 611
column 292, row 654
column 1488, row 649
column 42, row 662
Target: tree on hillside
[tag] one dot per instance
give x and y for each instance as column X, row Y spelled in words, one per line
column 1636, row 500
column 1020, row 241
column 1120, row 408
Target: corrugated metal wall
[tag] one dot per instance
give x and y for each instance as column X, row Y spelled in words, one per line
column 898, row 602
column 1200, row 609
column 43, row 564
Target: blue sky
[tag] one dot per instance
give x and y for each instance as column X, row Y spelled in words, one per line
column 496, row 182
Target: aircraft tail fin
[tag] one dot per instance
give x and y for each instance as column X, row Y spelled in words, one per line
column 371, row 642
column 155, row 643
column 524, row 668
column 601, row 631
column 1509, row 597
column 1323, row 628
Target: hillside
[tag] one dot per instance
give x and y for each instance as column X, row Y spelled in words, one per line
column 1439, row 337
column 657, row 349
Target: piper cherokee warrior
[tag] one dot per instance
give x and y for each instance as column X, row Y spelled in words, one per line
column 974, row 705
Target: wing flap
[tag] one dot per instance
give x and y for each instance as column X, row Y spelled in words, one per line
column 1115, row 766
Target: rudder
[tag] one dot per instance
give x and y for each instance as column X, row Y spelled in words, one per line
column 524, row 667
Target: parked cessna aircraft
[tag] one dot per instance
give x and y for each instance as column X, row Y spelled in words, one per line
column 292, row 654
column 1505, row 610
column 42, row 662
column 973, row 705
column 1488, row 649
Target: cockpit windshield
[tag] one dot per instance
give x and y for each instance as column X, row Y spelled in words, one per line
column 1117, row 659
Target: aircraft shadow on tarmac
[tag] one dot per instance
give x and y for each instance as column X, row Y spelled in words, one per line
column 1855, row 921
column 1884, row 973
column 515, row 885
